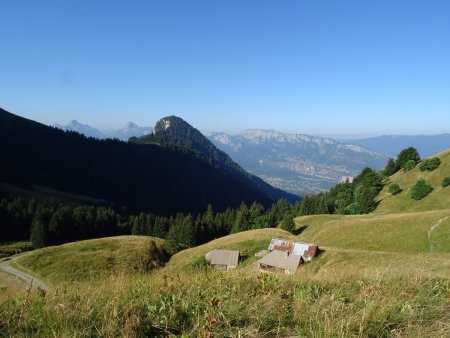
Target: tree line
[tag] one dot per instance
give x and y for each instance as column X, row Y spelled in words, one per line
column 51, row 223
column 55, row 223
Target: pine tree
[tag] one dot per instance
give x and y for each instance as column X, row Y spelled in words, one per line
column 61, row 226
column 406, row 155
column 39, row 228
column 186, row 232
column 171, row 244
column 288, row 223
column 208, row 225
column 242, row 219
column 391, row 167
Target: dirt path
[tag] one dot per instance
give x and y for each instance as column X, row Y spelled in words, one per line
column 5, row 265
column 434, row 226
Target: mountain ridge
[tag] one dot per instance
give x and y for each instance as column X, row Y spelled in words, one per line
column 136, row 177
column 299, row 163
column 129, row 130
column 173, row 131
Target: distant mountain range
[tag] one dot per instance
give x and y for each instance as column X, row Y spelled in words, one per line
column 392, row 145
column 129, row 130
column 298, row 163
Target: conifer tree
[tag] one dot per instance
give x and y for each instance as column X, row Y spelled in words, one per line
column 408, row 154
column 391, row 167
column 39, row 228
column 288, row 223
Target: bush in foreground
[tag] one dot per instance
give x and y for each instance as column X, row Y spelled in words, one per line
column 446, row 182
column 410, row 165
column 430, row 164
column 394, row 189
column 406, row 155
column 420, row 189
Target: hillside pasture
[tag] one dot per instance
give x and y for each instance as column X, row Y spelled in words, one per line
column 247, row 242
column 402, row 233
column 438, row 199
column 94, row 259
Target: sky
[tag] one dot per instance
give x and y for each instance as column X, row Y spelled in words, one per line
column 343, row 69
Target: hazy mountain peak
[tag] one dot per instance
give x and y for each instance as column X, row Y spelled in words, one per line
column 75, row 123
column 130, row 125
column 84, row 129
column 129, row 130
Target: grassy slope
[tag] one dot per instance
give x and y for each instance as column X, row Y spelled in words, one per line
column 438, row 199
column 247, row 242
column 402, row 237
column 343, row 293
column 10, row 287
column 93, row 259
column 403, row 232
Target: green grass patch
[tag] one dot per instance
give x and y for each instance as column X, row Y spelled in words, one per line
column 235, row 303
column 94, row 259
column 405, row 232
column 440, row 236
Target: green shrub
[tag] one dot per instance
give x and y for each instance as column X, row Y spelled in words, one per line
column 420, row 189
column 446, row 182
column 394, row 189
column 430, row 164
column 409, row 165
column 409, row 154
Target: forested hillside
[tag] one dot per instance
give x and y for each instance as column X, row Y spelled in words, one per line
column 175, row 133
column 131, row 177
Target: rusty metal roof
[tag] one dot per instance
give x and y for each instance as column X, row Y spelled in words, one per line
column 297, row 248
column 223, row 257
column 281, row 245
column 310, row 253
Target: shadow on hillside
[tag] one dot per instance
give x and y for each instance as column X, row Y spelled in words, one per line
column 298, row 231
column 319, row 252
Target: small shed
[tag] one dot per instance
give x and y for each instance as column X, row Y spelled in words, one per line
column 223, row 259
column 279, row 261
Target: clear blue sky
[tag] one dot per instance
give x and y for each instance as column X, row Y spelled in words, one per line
column 327, row 68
